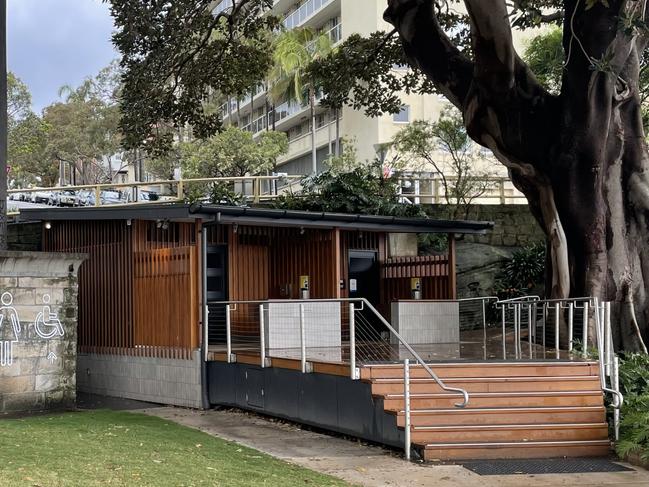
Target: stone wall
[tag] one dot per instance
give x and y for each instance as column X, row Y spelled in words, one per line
column 158, row 380
column 38, row 330
column 514, row 224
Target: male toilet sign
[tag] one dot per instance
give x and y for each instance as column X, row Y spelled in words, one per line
column 9, row 329
column 47, row 324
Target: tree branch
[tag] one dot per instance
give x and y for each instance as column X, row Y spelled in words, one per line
column 429, row 48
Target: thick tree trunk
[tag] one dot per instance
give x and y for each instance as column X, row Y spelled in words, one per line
column 580, row 158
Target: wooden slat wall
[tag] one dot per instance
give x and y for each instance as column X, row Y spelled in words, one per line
column 433, row 271
column 294, row 254
column 165, row 298
column 115, row 313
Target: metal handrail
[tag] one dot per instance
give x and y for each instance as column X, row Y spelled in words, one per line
column 369, row 305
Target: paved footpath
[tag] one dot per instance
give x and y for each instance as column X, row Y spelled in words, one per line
column 367, row 465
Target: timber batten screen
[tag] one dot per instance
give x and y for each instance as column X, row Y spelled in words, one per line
column 139, row 288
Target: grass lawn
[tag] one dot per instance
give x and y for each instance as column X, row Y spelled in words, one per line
column 127, row 449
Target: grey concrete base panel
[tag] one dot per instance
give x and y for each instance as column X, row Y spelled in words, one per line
column 157, row 380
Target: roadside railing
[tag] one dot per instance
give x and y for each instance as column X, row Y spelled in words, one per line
column 417, row 189
column 251, row 189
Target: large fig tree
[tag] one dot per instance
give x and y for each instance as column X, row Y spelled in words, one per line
column 579, row 156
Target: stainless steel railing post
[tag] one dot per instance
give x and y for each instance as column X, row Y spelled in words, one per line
column 262, row 336
column 557, row 319
column 228, row 332
column 571, row 317
column 406, row 402
column 484, row 329
column 504, row 312
column 585, row 327
column 352, row 342
column 615, row 385
column 302, row 340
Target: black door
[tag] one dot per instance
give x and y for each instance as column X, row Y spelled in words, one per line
column 364, row 275
column 216, row 268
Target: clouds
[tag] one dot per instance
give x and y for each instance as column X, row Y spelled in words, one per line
column 56, row 42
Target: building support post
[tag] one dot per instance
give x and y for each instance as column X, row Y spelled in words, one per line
column 3, row 124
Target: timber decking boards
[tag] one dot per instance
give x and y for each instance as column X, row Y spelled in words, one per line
column 515, row 410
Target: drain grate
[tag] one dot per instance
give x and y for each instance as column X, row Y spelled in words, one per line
column 544, row 466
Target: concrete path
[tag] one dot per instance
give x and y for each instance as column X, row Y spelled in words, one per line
column 365, row 465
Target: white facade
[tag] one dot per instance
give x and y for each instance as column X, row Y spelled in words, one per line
column 339, row 18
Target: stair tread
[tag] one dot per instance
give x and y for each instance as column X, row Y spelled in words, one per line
column 489, row 379
column 495, row 394
column 488, row 427
column 517, row 444
column 553, row 363
column 505, row 409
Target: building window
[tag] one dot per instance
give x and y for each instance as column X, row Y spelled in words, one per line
column 403, row 116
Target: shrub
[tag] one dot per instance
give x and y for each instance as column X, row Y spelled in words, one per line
column 356, row 191
column 523, row 273
column 634, row 426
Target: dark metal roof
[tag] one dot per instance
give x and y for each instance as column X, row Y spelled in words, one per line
column 258, row 216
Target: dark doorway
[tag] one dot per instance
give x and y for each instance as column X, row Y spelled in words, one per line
column 216, row 269
column 364, row 275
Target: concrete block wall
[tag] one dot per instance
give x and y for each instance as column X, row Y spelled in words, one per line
column 157, row 380
column 38, row 355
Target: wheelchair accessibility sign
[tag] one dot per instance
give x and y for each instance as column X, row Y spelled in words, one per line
column 47, row 326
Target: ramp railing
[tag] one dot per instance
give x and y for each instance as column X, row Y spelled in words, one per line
column 350, row 332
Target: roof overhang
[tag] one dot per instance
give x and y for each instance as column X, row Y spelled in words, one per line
column 257, row 216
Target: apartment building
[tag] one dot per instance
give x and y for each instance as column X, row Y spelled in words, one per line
column 339, row 19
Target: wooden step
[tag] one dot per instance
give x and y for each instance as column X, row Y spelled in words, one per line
column 496, row 400
column 484, row 369
column 510, row 433
column 529, row 449
column 513, row 415
column 491, row 384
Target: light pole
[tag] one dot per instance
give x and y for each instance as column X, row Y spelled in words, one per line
column 3, row 124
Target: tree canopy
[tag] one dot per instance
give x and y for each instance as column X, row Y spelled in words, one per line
column 578, row 153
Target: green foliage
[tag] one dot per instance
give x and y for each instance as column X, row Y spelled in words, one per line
column 524, row 272
column 545, row 57
column 432, row 243
column 634, row 426
column 461, row 177
column 84, row 127
column 176, row 55
column 357, row 191
column 293, row 52
column 232, row 152
column 19, row 99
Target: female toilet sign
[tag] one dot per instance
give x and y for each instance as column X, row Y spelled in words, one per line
column 47, row 324
column 9, row 329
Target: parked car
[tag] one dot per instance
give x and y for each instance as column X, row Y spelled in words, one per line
column 111, row 197
column 85, row 198
column 143, row 195
column 40, row 196
column 66, row 198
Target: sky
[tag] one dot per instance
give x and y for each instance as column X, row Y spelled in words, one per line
column 52, row 43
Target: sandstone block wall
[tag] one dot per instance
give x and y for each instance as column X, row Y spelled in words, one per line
column 514, row 224
column 38, row 330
